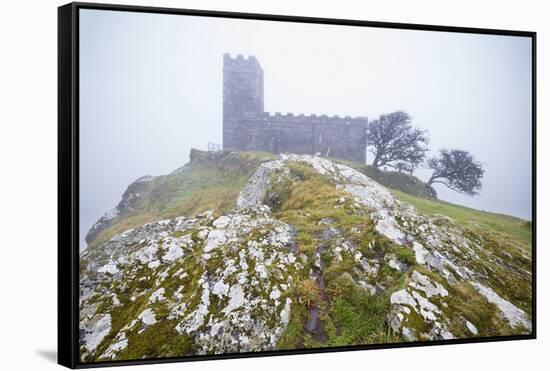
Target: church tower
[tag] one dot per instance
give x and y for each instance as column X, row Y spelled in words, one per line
column 243, row 97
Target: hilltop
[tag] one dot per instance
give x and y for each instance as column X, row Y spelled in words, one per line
column 239, row 252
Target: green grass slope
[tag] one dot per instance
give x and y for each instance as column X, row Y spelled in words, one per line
column 507, row 227
column 211, row 180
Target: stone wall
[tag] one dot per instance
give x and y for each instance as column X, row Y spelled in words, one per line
column 247, row 127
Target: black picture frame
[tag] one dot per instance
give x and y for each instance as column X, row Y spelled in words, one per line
column 68, row 178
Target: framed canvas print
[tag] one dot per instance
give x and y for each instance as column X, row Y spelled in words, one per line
column 235, row 185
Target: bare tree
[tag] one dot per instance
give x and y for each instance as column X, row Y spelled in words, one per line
column 457, row 170
column 395, row 143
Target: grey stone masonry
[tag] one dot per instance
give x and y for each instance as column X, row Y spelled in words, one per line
column 247, row 127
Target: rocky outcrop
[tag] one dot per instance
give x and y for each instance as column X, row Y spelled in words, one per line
column 406, row 183
column 231, row 281
column 128, row 204
column 151, row 198
column 437, row 242
column 218, row 280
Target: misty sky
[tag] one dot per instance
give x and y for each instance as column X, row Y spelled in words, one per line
column 151, row 89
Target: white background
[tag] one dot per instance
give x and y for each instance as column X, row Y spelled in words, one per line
column 28, row 164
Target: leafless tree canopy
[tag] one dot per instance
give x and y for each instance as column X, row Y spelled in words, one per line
column 394, row 142
column 458, row 170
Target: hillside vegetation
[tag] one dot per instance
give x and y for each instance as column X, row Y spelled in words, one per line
column 508, row 227
column 240, row 252
column 406, row 183
column 211, row 180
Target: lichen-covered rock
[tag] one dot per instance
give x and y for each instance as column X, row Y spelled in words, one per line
column 262, row 277
column 223, row 290
column 513, row 314
column 93, row 330
column 437, row 243
column 413, row 302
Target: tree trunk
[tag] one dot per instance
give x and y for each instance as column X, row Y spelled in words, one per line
column 375, row 161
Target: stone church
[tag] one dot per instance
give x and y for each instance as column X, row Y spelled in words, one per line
column 247, row 127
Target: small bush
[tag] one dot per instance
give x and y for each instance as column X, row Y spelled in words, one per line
column 305, row 243
column 405, row 255
column 307, row 292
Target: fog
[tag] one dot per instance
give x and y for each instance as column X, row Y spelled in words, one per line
column 151, row 89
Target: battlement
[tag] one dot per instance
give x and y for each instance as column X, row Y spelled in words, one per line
column 241, row 62
column 314, row 118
